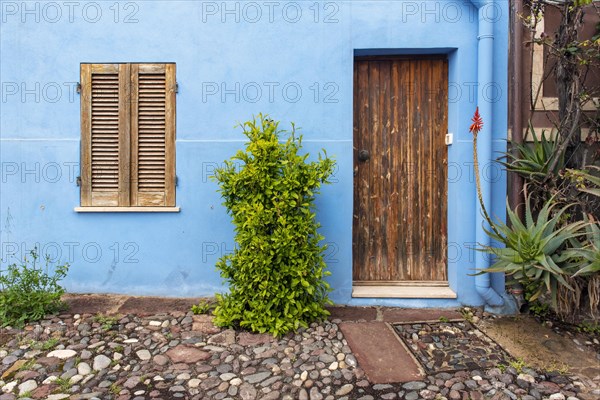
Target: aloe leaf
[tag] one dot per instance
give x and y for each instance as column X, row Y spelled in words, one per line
column 592, row 268
column 528, row 217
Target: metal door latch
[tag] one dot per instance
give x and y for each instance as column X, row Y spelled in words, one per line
column 363, row 155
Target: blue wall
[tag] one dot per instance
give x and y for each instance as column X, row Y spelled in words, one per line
column 224, row 51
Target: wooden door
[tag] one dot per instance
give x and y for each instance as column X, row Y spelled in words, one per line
column 400, row 170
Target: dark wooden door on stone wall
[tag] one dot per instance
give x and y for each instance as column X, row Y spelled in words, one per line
column 400, row 170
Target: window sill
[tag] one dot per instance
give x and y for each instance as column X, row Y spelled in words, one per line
column 127, row 209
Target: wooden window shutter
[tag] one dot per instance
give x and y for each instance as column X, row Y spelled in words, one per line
column 128, row 135
column 105, row 135
column 153, row 135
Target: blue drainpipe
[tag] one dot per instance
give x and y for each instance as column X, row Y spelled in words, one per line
column 494, row 302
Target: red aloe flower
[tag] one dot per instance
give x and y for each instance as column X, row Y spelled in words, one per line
column 477, row 123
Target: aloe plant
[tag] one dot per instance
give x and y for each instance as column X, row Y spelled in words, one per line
column 531, row 252
column 533, row 161
column 585, row 255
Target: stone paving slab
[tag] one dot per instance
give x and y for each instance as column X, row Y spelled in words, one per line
column 353, row 313
column 380, row 353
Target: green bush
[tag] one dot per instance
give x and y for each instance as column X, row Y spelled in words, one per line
column 29, row 292
column 276, row 272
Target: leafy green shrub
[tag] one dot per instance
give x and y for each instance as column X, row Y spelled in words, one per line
column 29, row 292
column 276, row 272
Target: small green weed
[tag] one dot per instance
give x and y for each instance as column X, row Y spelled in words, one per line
column 46, row 345
column 538, row 309
column 589, row 327
column 105, row 321
column 29, row 292
column 518, row 364
column 63, row 385
column 467, row 314
column 203, row 307
column 27, row 365
column 444, row 319
column 556, row 366
column 115, row 389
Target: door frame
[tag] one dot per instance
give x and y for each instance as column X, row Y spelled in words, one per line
column 408, row 289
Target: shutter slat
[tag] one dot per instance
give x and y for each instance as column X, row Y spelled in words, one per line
column 105, row 137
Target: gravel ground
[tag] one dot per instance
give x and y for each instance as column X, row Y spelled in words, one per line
column 181, row 355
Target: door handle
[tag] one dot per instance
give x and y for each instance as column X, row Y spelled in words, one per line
column 363, row 155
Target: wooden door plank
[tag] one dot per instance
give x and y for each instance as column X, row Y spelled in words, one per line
column 442, row 171
column 424, row 186
column 410, row 172
column 389, row 182
column 374, row 193
column 402, row 108
column 361, row 181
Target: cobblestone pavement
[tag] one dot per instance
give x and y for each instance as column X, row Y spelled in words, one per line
column 181, row 355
